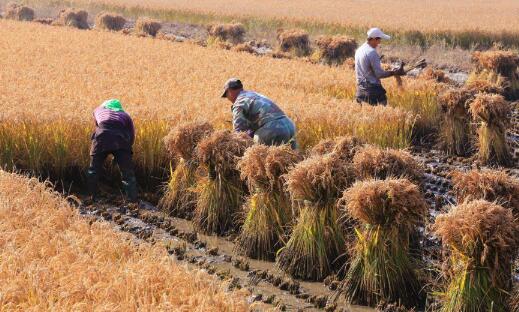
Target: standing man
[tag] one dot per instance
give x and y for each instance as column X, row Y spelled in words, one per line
column 258, row 116
column 114, row 134
column 369, row 72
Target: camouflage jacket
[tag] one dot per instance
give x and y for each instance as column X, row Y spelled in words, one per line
column 252, row 111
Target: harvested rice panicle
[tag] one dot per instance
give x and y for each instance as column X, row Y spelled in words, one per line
column 183, row 139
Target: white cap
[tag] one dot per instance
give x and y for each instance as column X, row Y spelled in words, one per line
column 377, row 33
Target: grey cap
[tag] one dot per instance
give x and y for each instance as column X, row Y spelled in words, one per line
column 233, row 83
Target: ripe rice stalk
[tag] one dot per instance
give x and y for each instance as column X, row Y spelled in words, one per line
column 324, row 147
column 483, row 241
column 72, row 18
column 233, row 33
column 110, row 21
column 490, row 185
column 179, row 197
column 334, row 50
column 316, row 240
column 455, row 130
column 479, row 83
column 499, row 66
column 18, row 12
column 268, row 209
column 388, row 212
column 220, row 197
column 294, row 41
column 145, row 26
column 244, row 47
column 493, row 113
column 372, row 162
column 502, row 62
column 434, row 75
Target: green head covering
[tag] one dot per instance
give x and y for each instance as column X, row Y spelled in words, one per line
column 113, row 105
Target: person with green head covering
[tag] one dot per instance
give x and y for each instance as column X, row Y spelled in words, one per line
column 114, row 135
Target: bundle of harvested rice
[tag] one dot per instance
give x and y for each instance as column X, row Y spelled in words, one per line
column 382, row 268
column 372, row 162
column 268, row 207
column 499, row 67
column 243, row 47
column 455, row 134
column 502, row 62
column 44, row 20
column 493, row 113
column 220, row 196
column 295, row 41
column 336, row 49
column 18, row 12
column 322, row 148
column 435, row 75
column 490, row 185
column 110, row 21
column 483, row 239
column 179, row 196
column 477, row 85
column 72, row 18
column 316, row 240
column 145, row 26
column 233, row 33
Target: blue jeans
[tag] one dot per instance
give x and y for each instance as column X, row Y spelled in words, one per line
column 277, row 132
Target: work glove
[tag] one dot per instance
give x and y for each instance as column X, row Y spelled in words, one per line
column 400, row 71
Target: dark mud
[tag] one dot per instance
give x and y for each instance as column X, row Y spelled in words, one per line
column 267, row 285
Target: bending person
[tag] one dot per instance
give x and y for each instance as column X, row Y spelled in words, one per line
column 115, row 135
column 257, row 115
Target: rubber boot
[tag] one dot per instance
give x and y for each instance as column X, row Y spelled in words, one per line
column 130, row 187
column 92, row 181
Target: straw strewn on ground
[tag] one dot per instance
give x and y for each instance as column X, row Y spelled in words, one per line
column 53, row 259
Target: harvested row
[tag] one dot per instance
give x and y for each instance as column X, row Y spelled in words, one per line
column 48, row 251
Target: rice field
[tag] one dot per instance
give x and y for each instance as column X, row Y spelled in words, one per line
column 409, row 207
column 53, row 259
column 46, row 123
column 409, row 21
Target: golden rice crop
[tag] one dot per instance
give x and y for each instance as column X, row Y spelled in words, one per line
column 336, row 49
column 295, row 41
column 156, row 94
column 221, row 195
column 455, row 130
column 316, row 239
column 490, row 185
column 483, row 240
column 493, row 113
column 147, row 26
column 110, row 21
column 18, row 12
column 502, row 62
column 72, row 18
column 179, row 198
column 442, row 16
column 54, row 259
column 324, row 146
column 233, row 33
column 382, row 269
column 371, row 162
column 434, row 74
column 268, row 207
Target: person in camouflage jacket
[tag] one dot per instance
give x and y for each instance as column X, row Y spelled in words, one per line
column 258, row 116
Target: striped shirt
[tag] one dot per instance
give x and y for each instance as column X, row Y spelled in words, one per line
column 114, row 130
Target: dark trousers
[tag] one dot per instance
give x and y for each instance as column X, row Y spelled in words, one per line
column 123, row 158
column 373, row 94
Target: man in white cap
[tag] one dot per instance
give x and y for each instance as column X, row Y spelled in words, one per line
column 258, row 116
column 369, row 72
